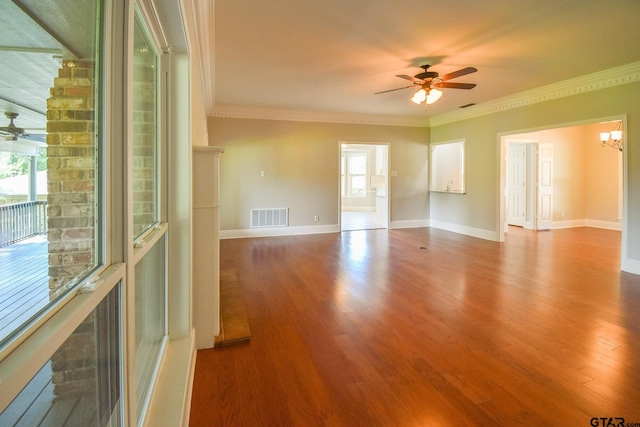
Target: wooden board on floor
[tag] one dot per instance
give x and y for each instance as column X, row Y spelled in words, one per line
column 234, row 326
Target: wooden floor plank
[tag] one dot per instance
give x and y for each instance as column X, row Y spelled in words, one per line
column 426, row 327
column 24, row 287
column 234, row 325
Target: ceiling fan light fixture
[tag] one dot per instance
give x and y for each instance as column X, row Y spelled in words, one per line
column 428, row 81
column 433, row 96
column 419, row 96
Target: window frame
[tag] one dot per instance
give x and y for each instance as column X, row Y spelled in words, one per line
column 22, row 358
column 138, row 247
column 117, row 250
column 347, row 185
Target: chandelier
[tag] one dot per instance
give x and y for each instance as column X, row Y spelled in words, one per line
column 612, row 139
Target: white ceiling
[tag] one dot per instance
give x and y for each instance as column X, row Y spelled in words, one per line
column 332, row 55
column 35, row 37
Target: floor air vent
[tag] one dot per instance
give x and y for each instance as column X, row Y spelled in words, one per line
column 277, row 217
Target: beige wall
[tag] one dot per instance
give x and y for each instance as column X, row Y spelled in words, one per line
column 603, row 170
column 300, row 161
column 479, row 207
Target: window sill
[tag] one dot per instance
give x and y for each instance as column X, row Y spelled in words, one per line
column 171, row 400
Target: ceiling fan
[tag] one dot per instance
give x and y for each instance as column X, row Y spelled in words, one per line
column 430, row 81
column 11, row 132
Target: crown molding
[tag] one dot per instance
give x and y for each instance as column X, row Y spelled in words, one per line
column 238, row 112
column 600, row 80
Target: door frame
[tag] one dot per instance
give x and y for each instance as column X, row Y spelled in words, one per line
column 386, row 168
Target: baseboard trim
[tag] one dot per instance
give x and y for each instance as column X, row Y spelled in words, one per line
column 467, row 231
column 571, row 223
column 409, row 223
column 630, row 266
column 607, row 225
column 278, row 231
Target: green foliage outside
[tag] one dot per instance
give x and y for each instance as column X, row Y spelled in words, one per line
column 14, row 164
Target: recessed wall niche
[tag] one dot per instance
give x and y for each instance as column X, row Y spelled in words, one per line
column 447, row 167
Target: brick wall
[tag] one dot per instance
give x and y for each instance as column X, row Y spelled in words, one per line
column 73, row 365
column 144, row 136
column 71, row 162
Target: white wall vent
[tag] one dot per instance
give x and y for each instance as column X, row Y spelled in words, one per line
column 275, row 217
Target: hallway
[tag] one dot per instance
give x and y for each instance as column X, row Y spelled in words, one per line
column 361, row 221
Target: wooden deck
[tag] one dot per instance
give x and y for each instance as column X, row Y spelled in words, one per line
column 37, row 406
column 24, row 287
column 24, row 291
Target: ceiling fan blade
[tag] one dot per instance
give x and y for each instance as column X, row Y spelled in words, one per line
column 7, row 136
column 410, row 78
column 459, row 73
column 454, row 85
column 392, row 90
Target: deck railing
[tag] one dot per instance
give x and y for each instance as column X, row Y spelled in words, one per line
column 20, row 221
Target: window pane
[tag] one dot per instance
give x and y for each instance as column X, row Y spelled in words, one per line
column 150, row 287
column 49, row 241
column 357, row 172
column 357, row 184
column 357, row 163
column 145, row 203
column 80, row 384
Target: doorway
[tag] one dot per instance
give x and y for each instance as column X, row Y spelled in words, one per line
column 529, row 189
column 364, row 186
column 568, row 179
column 519, row 209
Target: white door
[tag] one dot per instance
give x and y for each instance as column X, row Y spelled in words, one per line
column 544, row 214
column 516, row 185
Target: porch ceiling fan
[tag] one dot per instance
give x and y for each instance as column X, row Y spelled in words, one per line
column 429, row 83
column 11, row 132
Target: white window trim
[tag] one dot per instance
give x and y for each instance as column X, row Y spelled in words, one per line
column 347, row 176
column 19, row 367
column 25, row 356
column 169, row 399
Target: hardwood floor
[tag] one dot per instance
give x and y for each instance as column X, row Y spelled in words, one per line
column 421, row 327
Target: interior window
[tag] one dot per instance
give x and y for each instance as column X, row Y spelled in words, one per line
column 145, row 138
column 150, row 268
